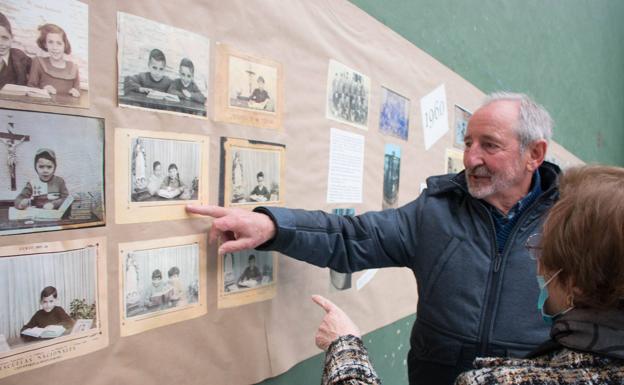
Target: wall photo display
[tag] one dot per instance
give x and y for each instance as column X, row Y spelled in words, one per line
column 252, row 173
column 246, row 277
column 53, row 297
column 53, row 178
column 157, row 173
column 348, row 95
column 161, row 67
column 47, row 48
column 249, row 89
column 162, row 281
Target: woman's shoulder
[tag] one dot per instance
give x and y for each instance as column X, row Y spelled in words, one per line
column 564, row 365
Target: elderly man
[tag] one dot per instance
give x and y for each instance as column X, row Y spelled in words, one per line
column 463, row 238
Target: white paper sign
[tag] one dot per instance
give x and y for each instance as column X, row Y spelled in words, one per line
column 346, row 167
column 365, row 278
column 434, row 116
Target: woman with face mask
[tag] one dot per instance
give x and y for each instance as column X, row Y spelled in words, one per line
column 580, row 266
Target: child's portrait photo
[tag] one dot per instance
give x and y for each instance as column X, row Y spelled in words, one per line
column 248, row 89
column 348, row 95
column 246, row 276
column 253, row 172
column 252, row 85
column 162, row 67
column 392, row 174
column 394, row 114
column 53, row 176
column 454, row 160
column 161, row 282
column 164, row 170
column 461, row 123
column 45, row 52
column 50, row 295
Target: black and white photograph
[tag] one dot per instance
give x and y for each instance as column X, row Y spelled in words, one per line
column 392, row 173
column 162, row 67
column 160, row 280
column 164, row 170
column 394, row 114
column 45, row 46
column 52, row 173
column 246, row 277
column 252, row 85
column 247, row 270
column 340, row 281
column 462, row 116
column 348, row 95
column 253, row 172
column 248, row 89
column 454, row 160
column 52, row 297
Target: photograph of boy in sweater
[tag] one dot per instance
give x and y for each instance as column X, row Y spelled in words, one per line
column 154, row 79
column 184, row 86
column 48, row 191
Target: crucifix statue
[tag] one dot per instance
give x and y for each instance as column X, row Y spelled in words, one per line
column 12, row 140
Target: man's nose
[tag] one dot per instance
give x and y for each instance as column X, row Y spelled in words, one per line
column 472, row 157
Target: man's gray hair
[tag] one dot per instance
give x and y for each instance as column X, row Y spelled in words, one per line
column 534, row 122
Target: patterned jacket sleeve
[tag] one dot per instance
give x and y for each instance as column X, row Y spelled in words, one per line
column 347, row 363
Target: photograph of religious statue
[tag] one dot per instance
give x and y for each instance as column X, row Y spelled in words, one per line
column 161, row 282
column 161, row 67
column 246, row 277
column 158, row 173
column 53, row 176
column 248, row 89
column 52, row 295
column 462, row 116
column 253, row 172
column 348, row 95
column 392, row 173
column 45, row 51
column 164, row 170
column 394, row 114
column 454, row 160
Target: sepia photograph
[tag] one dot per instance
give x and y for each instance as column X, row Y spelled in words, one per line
column 248, row 89
column 461, row 123
column 157, row 173
column 251, row 85
column 394, row 114
column 45, row 47
column 164, row 170
column 392, row 173
column 52, row 173
column 52, row 297
column 161, row 282
column 454, row 161
column 161, row 67
column 252, row 172
column 246, row 276
column 348, row 95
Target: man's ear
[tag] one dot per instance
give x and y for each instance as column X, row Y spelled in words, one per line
column 537, row 152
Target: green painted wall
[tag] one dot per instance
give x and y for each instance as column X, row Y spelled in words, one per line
column 568, row 54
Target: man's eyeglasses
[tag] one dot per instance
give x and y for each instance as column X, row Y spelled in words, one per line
column 534, row 245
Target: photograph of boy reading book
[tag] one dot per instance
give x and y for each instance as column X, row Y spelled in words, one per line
column 50, row 321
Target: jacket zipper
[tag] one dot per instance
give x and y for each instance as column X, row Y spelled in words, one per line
column 498, row 259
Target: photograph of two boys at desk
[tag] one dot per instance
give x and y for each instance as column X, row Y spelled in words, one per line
column 159, row 279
